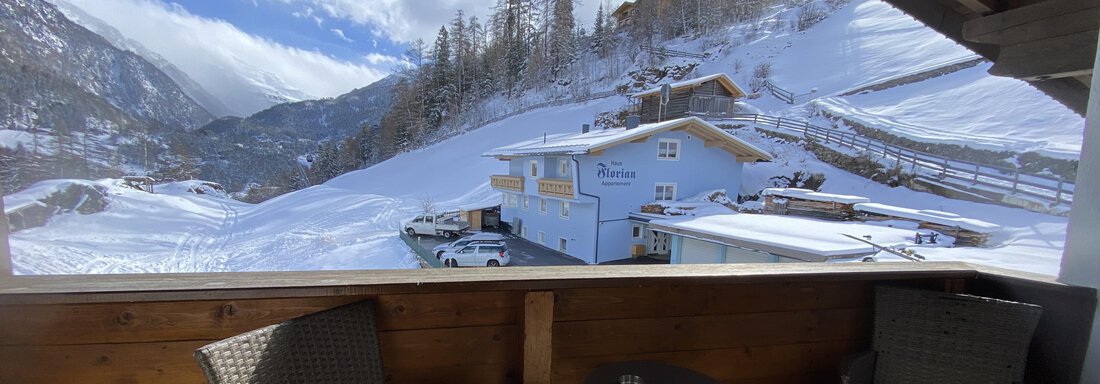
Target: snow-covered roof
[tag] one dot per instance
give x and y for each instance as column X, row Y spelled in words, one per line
column 730, row 85
column 795, row 237
column 598, row 140
column 936, row 217
column 625, row 6
column 806, row 194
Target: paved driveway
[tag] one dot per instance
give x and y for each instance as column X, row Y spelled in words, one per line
column 523, row 252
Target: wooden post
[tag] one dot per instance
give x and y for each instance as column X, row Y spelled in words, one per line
column 897, row 164
column 1058, row 195
column 754, row 117
column 977, row 169
column 777, row 120
column 913, row 169
column 538, row 322
column 1016, row 180
column 5, row 252
column 944, row 168
column 885, row 148
column 807, row 129
column 827, row 132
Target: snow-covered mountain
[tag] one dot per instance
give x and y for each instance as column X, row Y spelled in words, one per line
column 192, row 88
column 236, row 87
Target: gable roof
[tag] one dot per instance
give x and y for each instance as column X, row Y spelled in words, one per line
column 596, row 141
column 623, row 8
column 722, row 79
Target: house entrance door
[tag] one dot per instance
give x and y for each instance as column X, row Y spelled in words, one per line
column 658, row 243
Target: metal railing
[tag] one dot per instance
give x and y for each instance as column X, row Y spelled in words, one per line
column 1051, row 189
column 425, row 255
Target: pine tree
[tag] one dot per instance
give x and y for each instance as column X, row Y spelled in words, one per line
column 562, row 40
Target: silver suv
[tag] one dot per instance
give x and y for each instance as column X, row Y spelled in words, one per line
column 485, row 237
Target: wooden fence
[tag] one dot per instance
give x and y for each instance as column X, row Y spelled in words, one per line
column 779, row 93
column 1050, row 189
column 662, row 51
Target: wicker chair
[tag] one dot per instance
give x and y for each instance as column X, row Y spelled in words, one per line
column 935, row 337
column 339, row 345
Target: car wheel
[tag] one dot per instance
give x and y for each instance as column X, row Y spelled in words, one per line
column 439, row 255
column 493, row 263
column 450, row 263
column 448, row 234
column 410, row 231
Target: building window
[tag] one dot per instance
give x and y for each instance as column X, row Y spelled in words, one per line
column 563, row 168
column 523, row 231
column 534, row 168
column 565, row 209
column 542, row 237
column 668, row 149
column 636, row 232
column 665, row 191
column 525, row 202
column 542, row 205
column 563, row 245
column 510, row 200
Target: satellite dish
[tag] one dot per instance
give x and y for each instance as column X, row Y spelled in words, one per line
column 666, row 93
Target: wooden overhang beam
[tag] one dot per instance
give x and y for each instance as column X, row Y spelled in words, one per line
column 1051, row 39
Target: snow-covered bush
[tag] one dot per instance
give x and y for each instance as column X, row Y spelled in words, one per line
column 760, row 74
column 808, row 15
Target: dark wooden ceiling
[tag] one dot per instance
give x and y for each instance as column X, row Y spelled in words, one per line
column 1048, row 43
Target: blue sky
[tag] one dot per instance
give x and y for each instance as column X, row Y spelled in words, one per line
column 293, row 24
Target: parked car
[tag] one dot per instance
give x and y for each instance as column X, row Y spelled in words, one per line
column 443, row 224
column 478, row 254
column 485, row 237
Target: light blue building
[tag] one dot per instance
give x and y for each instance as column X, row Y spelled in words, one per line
column 575, row 192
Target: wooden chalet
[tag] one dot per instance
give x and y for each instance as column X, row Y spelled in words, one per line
column 624, row 15
column 708, row 96
column 764, row 323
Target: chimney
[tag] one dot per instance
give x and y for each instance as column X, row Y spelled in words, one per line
column 584, row 128
column 633, row 121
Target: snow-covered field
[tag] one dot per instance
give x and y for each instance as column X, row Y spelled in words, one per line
column 351, row 222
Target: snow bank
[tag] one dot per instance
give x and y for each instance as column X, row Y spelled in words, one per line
column 824, row 238
column 931, row 216
column 806, row 194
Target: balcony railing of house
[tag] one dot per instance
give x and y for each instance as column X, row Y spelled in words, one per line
column 511, row 183
column 712, row 106
column 556, row 188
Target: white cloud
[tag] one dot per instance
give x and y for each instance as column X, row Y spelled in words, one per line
column 340, row 34
column 405, row 21
column 238, row 68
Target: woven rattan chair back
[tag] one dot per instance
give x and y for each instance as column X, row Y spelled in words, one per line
column 935, row 337
column 339, row 345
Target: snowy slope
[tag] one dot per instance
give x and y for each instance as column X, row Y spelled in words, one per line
column 868, row 41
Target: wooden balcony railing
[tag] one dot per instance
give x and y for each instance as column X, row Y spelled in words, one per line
column 556, row 187
column 733, row 322
column 506, row 182
column 712, row 106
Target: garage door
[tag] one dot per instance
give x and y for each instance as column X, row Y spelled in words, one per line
column 741, row 255
column 699, row 252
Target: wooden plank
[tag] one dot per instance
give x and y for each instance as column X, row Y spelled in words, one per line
column 1036, row 21
column 686, row 300
column 1056, row 57
column 538, row 321
column 689, row 333
column 481, row 374
column 246, row 285
column 445, row 347
column 5, row 249
column 159, row 362
column 732, row 365
column 169, row 321
column 150, row 322
column 448, row 310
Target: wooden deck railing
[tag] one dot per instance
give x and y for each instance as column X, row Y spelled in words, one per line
column 736, row 323
column 506, row 182
column 556, row 188
column 711, row 106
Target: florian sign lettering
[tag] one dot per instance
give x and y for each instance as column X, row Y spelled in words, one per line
column 615, row 175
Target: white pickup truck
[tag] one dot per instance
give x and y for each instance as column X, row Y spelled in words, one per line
column 443, row 224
